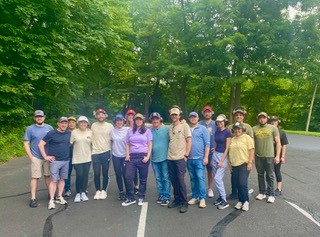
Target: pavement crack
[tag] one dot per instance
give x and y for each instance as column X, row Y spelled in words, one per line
column 48, row 226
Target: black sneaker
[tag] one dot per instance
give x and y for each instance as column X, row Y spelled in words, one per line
column 33, row 203
column 122, row 196
column 277, row 192
column 232, row 197
column 173, row 204
column 164, row 202
column 128, row 202
column 160, row 199
column 218, row 201
column 223, row 205
column 184, row 208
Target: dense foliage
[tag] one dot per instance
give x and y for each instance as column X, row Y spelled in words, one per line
column 72, row 56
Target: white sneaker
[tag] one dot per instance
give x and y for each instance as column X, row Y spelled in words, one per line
column 84, row 197
column 97, row 196
column 77, row 198
column 140, row 202
column 261, row 196
column 51, row 204
column 238, row 205
column 271, row 199
column 251, row 191
column 193, row 201
column 210, row 193
column 61, row 200
column 202, row 203
column 245, row 206
column 103, row 194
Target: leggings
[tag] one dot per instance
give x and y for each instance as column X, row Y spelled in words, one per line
column 278, row 172
column 119, row 169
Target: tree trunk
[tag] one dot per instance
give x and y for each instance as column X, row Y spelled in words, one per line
column 311, row 107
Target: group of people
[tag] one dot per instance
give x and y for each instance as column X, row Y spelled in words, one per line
column 133, row 145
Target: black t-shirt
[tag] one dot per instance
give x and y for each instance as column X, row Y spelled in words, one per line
column 58, row 144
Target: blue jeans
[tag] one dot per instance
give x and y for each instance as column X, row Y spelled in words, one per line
column 219, row 173
column 241, row 175
column 197, row 179
column 161, row 174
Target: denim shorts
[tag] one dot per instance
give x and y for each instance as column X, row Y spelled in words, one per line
column 59, row 170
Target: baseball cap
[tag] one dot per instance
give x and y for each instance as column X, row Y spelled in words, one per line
column 138, row 115
column 239, row 110
column 174, row 111
column 193, row 114
column 221, row 117
column 72, row 118
column 101, row 111
column 82, row 118
column 274, row 118
column 38, row 113
column 131, row 111
column 264, row 114
column 119, row 117
column 63, row 119
column 155, row 115
column 237, row 125
column 207, row 107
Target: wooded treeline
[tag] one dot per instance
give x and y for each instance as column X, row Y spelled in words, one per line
column 69, row 57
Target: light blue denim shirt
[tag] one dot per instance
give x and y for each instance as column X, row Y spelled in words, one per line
column 200, row 141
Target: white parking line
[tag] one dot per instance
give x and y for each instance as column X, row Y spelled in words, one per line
column 142, row 220
column 306, row 214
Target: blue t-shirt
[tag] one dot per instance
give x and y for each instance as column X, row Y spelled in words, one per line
column 220, row 139
column 160, row 143
column 212, row 128
column 200, row 141
column 58, row 144
column 34, row 135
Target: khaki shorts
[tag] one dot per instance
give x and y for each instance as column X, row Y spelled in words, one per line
column 39, row 167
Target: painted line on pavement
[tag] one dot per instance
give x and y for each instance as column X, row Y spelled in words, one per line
column 142, row 220
column 306, row 214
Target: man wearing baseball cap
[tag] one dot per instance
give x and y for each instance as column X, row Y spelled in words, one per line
column 57, row 152
column 72, row 125
column 33, row 135
column 197, row 160
column 265, row 137
column 160, row 134
column 207, row 113
column 179, row 150
column 101, row 146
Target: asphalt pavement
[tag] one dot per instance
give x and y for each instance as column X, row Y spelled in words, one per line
column 296, row 213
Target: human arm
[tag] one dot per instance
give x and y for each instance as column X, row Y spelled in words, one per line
column 225, row 153
column 26, row 145
column 188, row 148
column 278, row 150
column 41, row 145
column 250, row 162
column 147, row 157
column 206, row 156
column 283, row 154
column 127, row 152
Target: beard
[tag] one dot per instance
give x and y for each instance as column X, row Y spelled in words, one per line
column 39, row 123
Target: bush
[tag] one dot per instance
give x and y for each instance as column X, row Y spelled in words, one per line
column 11, row 143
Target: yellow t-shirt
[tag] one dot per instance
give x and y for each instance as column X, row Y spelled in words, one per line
column 178, row 144
column 101, row 140
column 81, row 141
column 239, row 149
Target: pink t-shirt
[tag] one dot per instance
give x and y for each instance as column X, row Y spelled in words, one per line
column 138, row 142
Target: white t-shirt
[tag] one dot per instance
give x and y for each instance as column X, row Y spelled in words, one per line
column 81, row 141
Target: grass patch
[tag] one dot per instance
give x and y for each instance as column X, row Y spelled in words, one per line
column 11, row 143
column 314, row 134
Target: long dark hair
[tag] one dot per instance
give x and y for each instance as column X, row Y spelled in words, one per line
column 142, row 129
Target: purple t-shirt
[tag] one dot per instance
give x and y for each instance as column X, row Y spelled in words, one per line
column 220, row 139
column 138, row 142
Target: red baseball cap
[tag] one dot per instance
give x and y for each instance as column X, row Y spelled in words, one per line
column 131, row 111
column 207, row 107
column 101, row 111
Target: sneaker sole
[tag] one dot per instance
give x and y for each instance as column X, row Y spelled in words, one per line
column 128, row 204
column 224, row 207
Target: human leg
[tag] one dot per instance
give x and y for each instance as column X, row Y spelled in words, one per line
column 96, row 164
column 200, row 179
column 181, row 170
column 105, row 160
column 118, row 169
column 156, row 166
column 165, row 180
column 143, row 177
column 193, row 179
column 259, row 162
column 269, row 167
column 243, row 175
